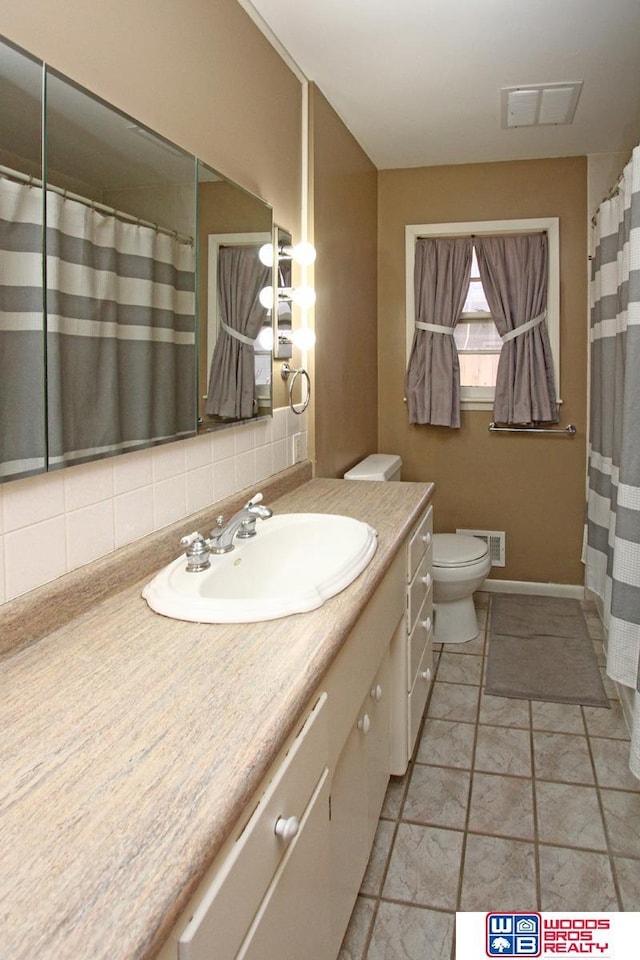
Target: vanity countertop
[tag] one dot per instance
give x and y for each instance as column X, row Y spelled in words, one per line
column 131, row 743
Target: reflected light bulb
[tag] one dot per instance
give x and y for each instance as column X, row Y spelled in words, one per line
column 304, row 296
column 304, row 253
column 266, row 297
column 303, row 338
column 265, row 254
column 265, row 338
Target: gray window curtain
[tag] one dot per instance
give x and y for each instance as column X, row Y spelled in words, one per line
column 612, row 553
column 441, row 280
column 241, row 277
column 513, row 271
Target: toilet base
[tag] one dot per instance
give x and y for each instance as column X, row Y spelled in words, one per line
column 455, row 621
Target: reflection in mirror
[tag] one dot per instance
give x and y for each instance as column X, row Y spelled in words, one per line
column 282, row 350
column 120, row 209
column 22, row 407
column 233, row 364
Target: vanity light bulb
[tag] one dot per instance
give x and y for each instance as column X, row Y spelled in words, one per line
column 304, row 253
column 265, row 254
column 265, row 338
column 303, row 338
column 303, row 296
column 266, row 298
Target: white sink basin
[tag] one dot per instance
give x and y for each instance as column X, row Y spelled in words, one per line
column 295, row 562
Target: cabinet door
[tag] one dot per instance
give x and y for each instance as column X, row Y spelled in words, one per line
column 378, row 746
column 348, row 830
column 293, row 919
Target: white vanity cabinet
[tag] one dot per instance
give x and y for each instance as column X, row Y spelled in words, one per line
column 412, row 646
column 268, row 897
column 292, row 896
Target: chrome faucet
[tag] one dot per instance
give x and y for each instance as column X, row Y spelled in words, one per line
column 242, row 524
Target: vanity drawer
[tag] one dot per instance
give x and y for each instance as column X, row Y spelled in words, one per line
column 418, row 696
column 418, row 589
column 223, row 917
column 418, row 543
column 420, row 638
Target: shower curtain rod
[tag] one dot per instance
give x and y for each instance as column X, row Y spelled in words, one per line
column 31, row 181
column 567, row 431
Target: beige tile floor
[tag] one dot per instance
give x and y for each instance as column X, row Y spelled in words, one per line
column 507, row 805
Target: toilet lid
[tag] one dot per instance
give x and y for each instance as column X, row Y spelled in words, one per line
column 455, row 549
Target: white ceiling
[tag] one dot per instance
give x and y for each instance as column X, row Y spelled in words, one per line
column 418, row 81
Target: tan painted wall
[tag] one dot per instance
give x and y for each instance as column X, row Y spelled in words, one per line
column 345, row 205
column 531, row 487
column 197, row 71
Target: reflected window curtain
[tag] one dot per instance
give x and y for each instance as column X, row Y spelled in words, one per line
column 241, row 277
column 120, row 334
column 22, row 435
column 441, row 280
column 612, row 555
column 514, row 272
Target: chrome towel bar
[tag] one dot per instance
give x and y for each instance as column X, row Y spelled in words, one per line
column 567, row 431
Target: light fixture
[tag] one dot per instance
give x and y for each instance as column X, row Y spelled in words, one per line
column 265, row 338
column 303, row 253
column 540, row 104
column 303, row 296
column 303, row 338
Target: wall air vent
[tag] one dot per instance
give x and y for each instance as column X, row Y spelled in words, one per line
column 539, row 104
column 496, row 541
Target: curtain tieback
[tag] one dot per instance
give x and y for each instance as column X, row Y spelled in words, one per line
column 236, row 334
column 434, row 328
column 529, row 325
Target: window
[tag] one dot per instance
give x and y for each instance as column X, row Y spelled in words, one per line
column 476, row 335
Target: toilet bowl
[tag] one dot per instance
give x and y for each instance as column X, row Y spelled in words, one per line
column 460, row 566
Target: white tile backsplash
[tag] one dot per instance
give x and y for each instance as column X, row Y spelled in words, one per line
column 53, row 523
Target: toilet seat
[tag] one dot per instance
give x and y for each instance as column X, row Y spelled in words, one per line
column 457, row 550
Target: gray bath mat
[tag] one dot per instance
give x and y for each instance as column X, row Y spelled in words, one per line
column 540, row 649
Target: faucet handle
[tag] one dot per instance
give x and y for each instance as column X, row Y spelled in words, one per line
column 257, row 498
column 197, row 552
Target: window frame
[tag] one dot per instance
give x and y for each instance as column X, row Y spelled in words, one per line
column 481, row 398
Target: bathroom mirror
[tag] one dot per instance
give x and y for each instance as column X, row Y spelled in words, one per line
column 22, row 390
column 123, row 360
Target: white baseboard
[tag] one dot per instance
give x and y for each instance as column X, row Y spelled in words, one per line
column 534, row 589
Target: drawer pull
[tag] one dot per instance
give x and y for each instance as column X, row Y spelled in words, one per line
column 427, row 538
column 426, row 674
column 426, row 624
column 376, row 693
column 286, row 828
column 364, row 724
column 426, row 580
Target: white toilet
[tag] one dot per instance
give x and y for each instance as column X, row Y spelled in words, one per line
column 378, row 466
column 460, row 563
column 460, row 566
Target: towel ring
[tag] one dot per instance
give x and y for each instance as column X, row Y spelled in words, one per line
column 285, row 371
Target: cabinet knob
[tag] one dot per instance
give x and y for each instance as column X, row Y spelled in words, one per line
column 376, row 693
column 286, row 827
column 426, row 580
column 364, row 723
column 426, row 674
column 426, row 624
column 427, row 539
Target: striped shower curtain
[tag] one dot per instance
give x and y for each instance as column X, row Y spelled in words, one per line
column 120, row 334
column 613, row 500
column 22, row 417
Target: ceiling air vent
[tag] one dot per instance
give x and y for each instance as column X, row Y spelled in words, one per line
column 539, row 104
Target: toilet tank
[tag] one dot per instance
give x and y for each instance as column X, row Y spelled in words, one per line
column 378, row 466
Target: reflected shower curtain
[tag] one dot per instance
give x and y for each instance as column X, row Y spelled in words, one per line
column 22, row 428
column 612, row 552
column 120, row 334
column 241, row 277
